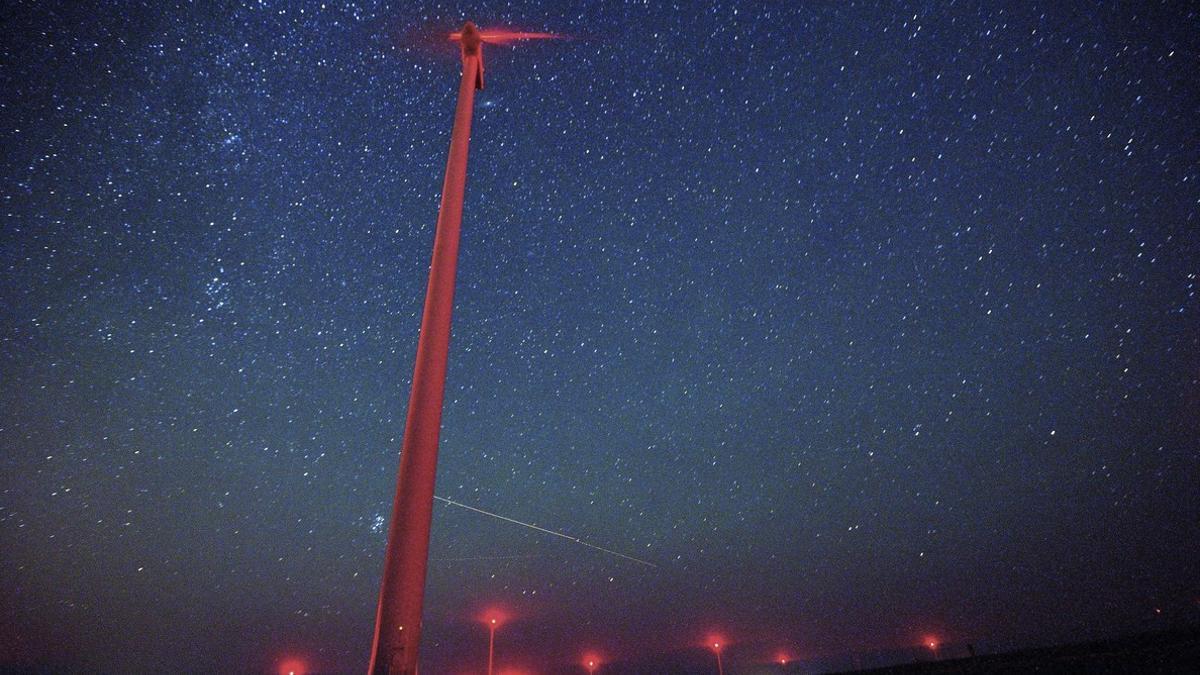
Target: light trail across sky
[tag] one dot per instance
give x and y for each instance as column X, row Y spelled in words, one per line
column 531, row 526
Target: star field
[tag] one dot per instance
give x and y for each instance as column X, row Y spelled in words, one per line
column 862, row 321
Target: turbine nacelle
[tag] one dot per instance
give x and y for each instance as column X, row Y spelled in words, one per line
column 471, row 39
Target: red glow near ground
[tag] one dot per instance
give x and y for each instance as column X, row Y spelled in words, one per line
column 293, row 667
column 715, row 642
column 591, row 661
column 504, row 36
column 494, row 616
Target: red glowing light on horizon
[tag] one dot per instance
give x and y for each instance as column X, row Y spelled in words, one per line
column 591, row 661
column 293, row 667
column 501, row 36
column 715, row 642
column 494, row 616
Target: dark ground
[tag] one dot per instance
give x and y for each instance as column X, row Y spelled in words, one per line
column 1175, row 651
column 1169, row 652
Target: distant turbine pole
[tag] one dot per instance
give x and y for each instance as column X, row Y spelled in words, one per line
column 401, row 592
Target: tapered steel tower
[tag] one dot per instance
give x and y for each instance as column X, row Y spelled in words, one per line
column 401, row 592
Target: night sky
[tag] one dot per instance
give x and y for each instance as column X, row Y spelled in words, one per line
column 866, row 323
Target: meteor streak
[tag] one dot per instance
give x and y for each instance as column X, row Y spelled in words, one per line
column 542, row 529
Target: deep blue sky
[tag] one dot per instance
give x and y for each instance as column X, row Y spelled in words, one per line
column 863, row 321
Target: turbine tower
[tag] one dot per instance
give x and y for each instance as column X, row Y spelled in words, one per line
column 402, row 589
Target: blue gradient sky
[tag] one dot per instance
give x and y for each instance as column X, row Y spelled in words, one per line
column 862, row 321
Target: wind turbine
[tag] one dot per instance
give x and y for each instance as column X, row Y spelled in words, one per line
column 402, row 589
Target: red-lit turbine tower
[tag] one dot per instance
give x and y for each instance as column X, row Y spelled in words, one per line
column 402, row 589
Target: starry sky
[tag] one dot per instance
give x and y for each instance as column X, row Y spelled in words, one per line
column 863, row 322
